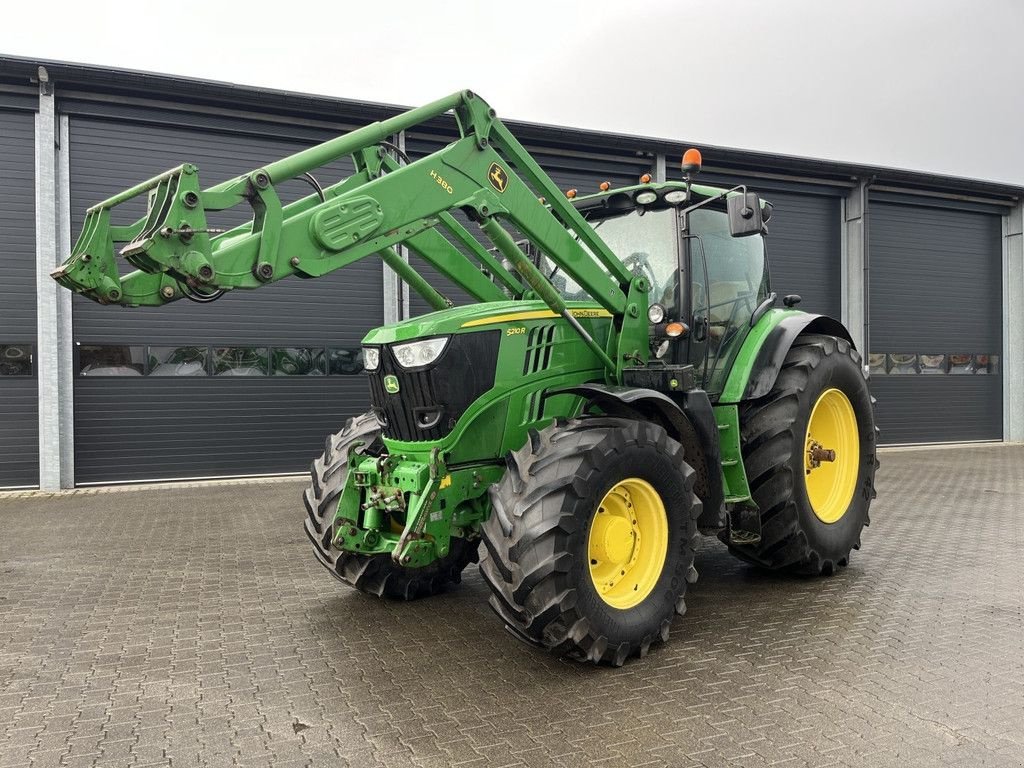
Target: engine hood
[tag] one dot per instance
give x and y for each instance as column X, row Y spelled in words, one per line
column 476, row 316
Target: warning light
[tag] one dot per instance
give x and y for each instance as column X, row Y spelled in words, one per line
column 571, row 194
column 645, row 179
column 672, row 330
column 605, row 186
column 692, row 161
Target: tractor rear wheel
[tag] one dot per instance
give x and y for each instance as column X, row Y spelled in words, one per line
column 809, row 450
column 590, row 542
column 375, row 574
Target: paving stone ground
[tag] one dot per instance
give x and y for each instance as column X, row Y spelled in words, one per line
column 191, row 626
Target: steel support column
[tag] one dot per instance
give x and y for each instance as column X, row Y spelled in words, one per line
column 856, row 266
column 396, row 291
column 391, row 290
column 65, row 343
column 1013, row 324
column 392, row 285
column 659, row 168
column 405, row 308
column 54, row 353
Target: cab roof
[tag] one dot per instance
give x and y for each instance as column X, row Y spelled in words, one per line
column 623, row 199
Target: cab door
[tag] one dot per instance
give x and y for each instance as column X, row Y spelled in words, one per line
column 694, row 279
column 728, row 281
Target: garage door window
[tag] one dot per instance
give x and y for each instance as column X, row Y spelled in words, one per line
column 910, row 363
column 299, row 361
column 111, row 360
column 196, row 360
column 16, row 360
column 241, row 361
column 344, row 362
column 177, row 361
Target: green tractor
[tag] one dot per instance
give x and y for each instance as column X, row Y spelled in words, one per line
column 622, row 381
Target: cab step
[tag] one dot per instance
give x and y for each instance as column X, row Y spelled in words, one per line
column 744, row 526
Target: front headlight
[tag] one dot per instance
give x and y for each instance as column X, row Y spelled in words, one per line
column 417, row 353
column 371, row 358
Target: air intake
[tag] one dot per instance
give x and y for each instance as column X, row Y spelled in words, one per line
column 538, row 348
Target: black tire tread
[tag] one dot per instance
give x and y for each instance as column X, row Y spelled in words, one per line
column 769, row 441
column 374, row 574
column 528, row 510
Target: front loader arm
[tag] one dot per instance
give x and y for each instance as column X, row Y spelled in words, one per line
column 486, row 173
column 177, row 255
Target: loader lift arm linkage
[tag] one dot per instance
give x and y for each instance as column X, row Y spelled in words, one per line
column 486, row 173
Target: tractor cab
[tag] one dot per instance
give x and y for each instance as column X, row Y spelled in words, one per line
column 705, row 259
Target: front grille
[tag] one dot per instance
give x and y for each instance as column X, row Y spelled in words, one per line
column 429, row 401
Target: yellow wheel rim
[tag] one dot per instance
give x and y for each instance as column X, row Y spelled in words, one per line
column 831, row 456
column 628, row 542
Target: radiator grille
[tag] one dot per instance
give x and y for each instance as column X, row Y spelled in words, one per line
column 429, row 401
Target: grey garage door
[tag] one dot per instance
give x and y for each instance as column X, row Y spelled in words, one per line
column 248, row 385
column 804, row 248
column 936, row 329
column 19, row 436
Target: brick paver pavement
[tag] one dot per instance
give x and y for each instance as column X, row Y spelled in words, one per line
column 191, row 626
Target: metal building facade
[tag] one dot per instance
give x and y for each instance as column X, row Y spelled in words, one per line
column 926, row 272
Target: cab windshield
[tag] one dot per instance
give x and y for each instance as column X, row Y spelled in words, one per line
column 647, row 244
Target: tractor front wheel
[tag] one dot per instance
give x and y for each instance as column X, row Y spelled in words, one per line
column 591, row 537
column 809, row 451
column 375, row 574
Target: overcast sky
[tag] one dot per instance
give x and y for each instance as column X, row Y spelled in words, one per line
column 932, row 85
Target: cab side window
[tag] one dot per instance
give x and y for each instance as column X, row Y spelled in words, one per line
column 737, row 282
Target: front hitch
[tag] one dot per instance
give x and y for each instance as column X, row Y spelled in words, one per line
column 412, row 550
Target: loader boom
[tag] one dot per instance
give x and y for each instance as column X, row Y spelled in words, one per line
column 486, row 173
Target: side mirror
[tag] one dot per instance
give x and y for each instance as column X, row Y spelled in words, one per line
column 744, row 214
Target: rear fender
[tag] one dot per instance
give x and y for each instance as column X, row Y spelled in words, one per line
column 688, row 417
column 768, row 360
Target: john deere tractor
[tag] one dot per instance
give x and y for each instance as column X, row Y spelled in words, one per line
column 622, row 381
